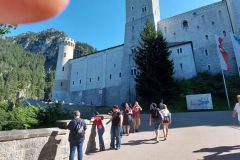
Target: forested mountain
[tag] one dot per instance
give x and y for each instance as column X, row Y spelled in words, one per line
column 46, row 43
column 20, row 71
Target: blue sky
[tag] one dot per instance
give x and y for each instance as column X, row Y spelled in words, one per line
column 100, row 23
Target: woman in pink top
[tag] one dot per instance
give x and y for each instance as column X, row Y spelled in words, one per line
column 136, row 115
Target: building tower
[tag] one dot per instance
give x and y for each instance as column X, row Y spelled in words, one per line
column 137, row 14
column 234, row 11
column 63, row 69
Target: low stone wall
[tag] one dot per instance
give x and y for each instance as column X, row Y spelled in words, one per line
column 46, row 144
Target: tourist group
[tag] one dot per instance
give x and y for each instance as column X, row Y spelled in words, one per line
column 124, row 120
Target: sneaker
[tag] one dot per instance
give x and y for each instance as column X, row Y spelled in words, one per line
column 117, row 148
column 111, row 148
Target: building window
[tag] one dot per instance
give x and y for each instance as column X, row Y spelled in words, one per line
column 213, row 23
column 61, row 83
column 203, row 19
column 178, row 51
column 174, row 34
column 120, row 74
column 64, row 54
column 80, row 81
column 90, row 79
column 132, row 28
column 132, row 8
column 133, row 50
column 206, row 52
column 62, row 68
column 110, row 76
column 165, row 29
column 144, row 9
column 206, row 36
column 198, row 27
column 73, row 82
column 220, row 14
column 77, row 73
column 209, row 68
column 181, row 66
column 133, row 18
column 181, row 50
column 98, row 78
column 185, row 24
column 133, row 71
column 224, row 33
column 114, row 65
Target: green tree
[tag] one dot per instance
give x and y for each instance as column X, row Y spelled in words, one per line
column 5, row 28
column 155, row 80
column 49, row 80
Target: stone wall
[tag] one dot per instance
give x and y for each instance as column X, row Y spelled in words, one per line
column 46, row 144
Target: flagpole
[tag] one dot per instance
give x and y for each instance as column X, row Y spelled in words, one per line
column 226, row 91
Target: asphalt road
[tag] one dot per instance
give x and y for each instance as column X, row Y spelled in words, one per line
column 193, row 136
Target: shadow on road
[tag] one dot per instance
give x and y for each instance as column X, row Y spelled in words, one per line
column 221, row 153
column 140, row 142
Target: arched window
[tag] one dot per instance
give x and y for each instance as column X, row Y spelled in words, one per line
column 209, row 68
column 120, row 74
column 206, row 36
column 185, row 24
column 165, row 29
column 110, row 76
column 203, row 18
column 206, row 52
column 181, row 66
column 224, row 33
column 62, row 68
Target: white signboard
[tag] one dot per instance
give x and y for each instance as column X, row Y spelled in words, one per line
column 199, row 102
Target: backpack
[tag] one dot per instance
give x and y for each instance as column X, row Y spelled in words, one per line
column 79, row 129
column 156, row 114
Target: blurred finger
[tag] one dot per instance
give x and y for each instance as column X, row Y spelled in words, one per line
column 29, row 11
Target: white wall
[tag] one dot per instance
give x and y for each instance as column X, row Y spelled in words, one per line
column 183, row 59
column 210, row 20
column 100, row 65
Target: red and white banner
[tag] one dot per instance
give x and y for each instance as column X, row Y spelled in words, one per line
column 223, row 54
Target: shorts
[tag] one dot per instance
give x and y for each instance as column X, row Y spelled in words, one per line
column 157, row 124
column 137, row 121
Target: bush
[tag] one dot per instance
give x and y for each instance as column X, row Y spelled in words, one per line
column 17, row 116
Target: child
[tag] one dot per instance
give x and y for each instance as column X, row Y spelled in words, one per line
column 136, row 115
column 97, row 120
column 236, row 110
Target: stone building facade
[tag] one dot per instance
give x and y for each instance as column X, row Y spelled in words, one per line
column 108, row 76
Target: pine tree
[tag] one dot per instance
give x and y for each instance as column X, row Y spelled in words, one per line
column 155, row 79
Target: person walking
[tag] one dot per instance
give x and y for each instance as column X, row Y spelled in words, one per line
column 116, row 128
column 97, row 121
column 136, row 115
column 77, row 128
column 236, row 110
column 127, row 119
column 166, row 120
column 155, row 119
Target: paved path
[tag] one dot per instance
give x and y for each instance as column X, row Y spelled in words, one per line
column 193, row 136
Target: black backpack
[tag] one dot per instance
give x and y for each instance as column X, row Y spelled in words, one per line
column 79, row 129
column 156, row 113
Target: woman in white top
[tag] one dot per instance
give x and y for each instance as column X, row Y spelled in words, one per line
column 236, row 110
column 166, row 120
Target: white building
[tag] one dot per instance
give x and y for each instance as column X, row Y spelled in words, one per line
column 108, row 76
